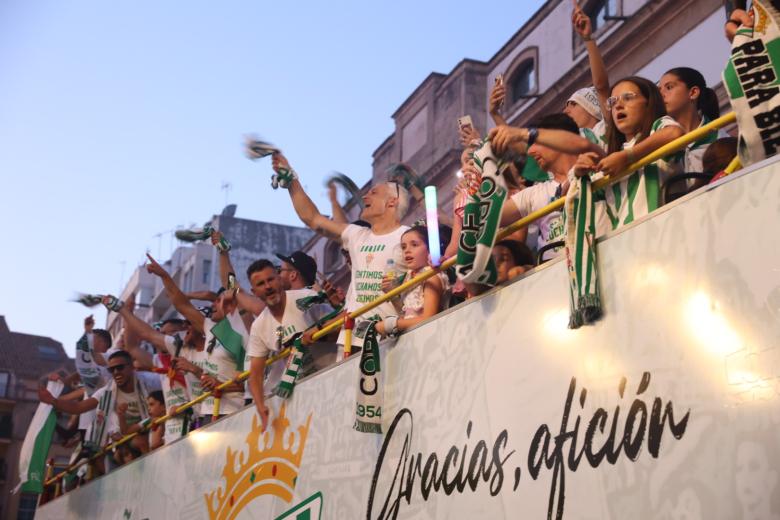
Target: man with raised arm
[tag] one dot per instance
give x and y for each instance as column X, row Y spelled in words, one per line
column 225, row 339
column 175, row 339
column 370, row 249
column 127, row 386
column 281, row 319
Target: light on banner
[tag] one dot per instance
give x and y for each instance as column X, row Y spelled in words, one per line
column 432, row 221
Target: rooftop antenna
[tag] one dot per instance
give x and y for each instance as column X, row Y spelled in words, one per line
column 227, row 187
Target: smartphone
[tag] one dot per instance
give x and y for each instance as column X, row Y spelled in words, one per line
column 464, row 122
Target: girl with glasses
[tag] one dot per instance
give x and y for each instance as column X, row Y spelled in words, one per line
column 638, row 126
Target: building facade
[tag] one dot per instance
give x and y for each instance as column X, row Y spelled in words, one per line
column 543, row 63
column 195, row 267
column 25, row 359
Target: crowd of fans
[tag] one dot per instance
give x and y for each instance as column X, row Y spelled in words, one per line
column 123, row 383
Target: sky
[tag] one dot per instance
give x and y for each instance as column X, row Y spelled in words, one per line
column 120, row 121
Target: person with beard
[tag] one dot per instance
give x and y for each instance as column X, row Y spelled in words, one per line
column 126, row 388
column 554, row 161
column 217, row 362
column 279, row 322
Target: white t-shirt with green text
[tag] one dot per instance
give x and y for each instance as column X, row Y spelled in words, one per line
column 369, row 253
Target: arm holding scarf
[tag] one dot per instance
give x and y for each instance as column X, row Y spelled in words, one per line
column 304, row 207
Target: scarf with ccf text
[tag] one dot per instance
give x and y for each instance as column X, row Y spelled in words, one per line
column 481, row 219
column 370, row 392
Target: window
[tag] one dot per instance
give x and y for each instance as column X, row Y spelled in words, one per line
column 523, row 80
column 49, row 352
column 5, row 380
column 599, row 11
column 206, row 271
column 6, row 426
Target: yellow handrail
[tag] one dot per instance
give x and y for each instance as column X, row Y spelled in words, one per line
column 663, row 151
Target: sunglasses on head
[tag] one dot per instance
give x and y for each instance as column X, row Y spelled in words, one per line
column 117, row 368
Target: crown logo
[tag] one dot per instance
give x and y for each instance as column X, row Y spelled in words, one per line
column 267, row 469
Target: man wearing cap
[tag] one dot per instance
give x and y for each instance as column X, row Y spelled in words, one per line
column 298, row 271
column 583, row 107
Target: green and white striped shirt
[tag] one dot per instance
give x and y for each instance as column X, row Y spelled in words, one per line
column 695, row 151
column 639, row 194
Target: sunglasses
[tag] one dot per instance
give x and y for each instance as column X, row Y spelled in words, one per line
column 117, row 368
column 625, row 97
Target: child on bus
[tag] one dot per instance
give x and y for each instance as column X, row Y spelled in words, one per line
column 422, row 301
column 690, row 102
column 638, row 126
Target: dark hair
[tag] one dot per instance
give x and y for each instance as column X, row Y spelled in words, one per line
column 157, row 395
column 520, row 252
column 655, row 110
column 708, row 100
column 259, row 265
column 123, row 354
column 719, row 154
column 557, row 121
column 105, row 335
column 176, row 322
column 445, row 234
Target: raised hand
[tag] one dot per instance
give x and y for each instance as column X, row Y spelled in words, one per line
column 581, row 22
column 45, row 396
column 497, row 98
column 89, row 323
column 154, row 268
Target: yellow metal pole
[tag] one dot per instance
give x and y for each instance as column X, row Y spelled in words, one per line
column 733, row 166
column 674, row 146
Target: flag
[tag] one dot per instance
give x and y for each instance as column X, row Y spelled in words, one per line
column 231, row 340
column 35, row 448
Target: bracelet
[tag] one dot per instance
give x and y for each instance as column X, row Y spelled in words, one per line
column 391, row 325
column 533, row 133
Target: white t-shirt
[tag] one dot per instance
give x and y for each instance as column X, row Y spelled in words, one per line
column 92, row 375
column 219, row 363
column 135, row 401
column 369, row 253
column 266, row 332
column 533, row 198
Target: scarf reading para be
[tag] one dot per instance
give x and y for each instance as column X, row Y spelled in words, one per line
column 585, row 303
column 481, row 219
column 370, row 393
column 751, row 82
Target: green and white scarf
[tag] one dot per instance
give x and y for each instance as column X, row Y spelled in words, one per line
column 481, row 219
column 105, row 414
column 204, row 233
column 296, row 358
column 294, row 362
column 751, row 82
column 370, row 393
column 585, row 302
